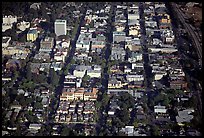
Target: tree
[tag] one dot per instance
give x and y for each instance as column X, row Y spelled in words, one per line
column 98, row 104
column 135, row 123
column 54, row 78
column 105, row 100
column 124, row 115
column 155, row 130
column 41, row 78
column 117, row 122
column 38, row 105
column 28, row 72
column 29, row 85
column 65, row 131
column 166, row 101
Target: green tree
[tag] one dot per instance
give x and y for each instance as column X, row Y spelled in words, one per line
column 135, row 123
column 124, row 115
column 38, row 105
column 155, row 130
column 98, row 104
column 105, row 100
column 28, row 72
column 65, row 131
column 165, row 101
column 54, row 78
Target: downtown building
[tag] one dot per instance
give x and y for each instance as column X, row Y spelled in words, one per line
column 60, row 27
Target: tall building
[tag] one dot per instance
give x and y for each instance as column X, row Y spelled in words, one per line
column 60, row 27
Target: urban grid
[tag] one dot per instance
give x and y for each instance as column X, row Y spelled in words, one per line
column 101, row 68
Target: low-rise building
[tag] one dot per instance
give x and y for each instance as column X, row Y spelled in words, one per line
column 184, row 116
column 135, row 56
column 118, row 37
column 5, row 41
column 117, row 53
column 35, row 126
column 134, row 77
column 46, row 44
column 32, row 34
column 81, row 70
column 160, row 109
column 70, row 94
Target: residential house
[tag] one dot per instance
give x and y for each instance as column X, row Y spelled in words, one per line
column 118, row 53
column 5, row 41
column 184, row 116
column 114, row 83
column 134, row 77
column 160, row 109
column 94, row 73
column 178, row 84
column 84, row 41
column 151, row 24
column 81, row 70
column 118, row 37
column 72, row 81
column 133, row 44
column 168, row 36
column 32, row 34
column 135, row 56
column 35, row 126
column 129, row 130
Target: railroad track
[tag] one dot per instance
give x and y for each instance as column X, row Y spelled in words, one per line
column 196, row 38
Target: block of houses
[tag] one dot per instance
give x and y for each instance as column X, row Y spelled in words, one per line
column 97, row 45
column 114, row 83
column 70, row 94
column 117, row 91
column 151, row 24
column 13, row 49
column 45, row 56
column 135, row 84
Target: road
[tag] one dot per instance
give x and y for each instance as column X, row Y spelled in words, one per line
column 147, row 67
column 58, row 90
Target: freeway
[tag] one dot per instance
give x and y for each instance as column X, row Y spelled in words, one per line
column 196, row 38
